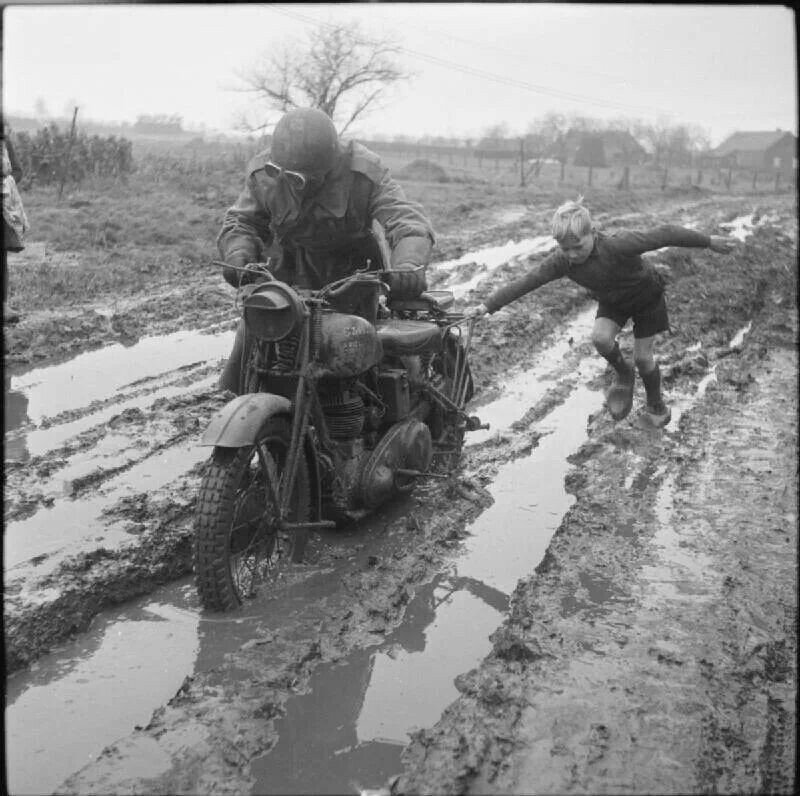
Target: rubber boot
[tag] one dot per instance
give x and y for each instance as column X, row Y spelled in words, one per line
column 658, row 414
column 619, row 399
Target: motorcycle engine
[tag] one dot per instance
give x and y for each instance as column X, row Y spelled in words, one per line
column 406, row 445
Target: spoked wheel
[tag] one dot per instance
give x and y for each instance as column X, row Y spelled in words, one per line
column 447, row 448
column 237, row 542
column 454, row 379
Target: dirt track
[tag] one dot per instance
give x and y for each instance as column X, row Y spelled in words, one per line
column 653, row 649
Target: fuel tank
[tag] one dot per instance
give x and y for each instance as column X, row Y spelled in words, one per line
column 348, row 345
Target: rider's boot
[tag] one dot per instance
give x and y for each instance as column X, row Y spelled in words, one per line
column 619, row 398
column 658, row 414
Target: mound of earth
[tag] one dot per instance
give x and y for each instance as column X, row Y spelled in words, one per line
column 421, row 169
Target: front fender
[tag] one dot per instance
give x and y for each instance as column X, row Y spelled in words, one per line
column 238, row 422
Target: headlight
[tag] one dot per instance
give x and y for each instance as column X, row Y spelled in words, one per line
column 272, row 311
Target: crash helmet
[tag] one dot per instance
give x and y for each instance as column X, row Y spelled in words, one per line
column 305, row 140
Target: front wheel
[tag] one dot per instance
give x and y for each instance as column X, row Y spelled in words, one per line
column 237, row 542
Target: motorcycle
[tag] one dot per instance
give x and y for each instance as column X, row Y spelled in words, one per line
column 339, row 412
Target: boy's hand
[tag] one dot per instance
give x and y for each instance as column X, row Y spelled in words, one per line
column 721, row 245
column 476, row 312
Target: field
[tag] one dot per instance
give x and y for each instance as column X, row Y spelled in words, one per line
column 582, row 606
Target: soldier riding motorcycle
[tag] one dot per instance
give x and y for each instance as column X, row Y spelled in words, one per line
column 342, row 401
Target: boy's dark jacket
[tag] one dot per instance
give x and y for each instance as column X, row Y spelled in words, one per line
column 614, row 272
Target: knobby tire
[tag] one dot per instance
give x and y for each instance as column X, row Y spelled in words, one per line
column 217, row 523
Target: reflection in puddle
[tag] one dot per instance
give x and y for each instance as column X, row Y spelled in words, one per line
column 72, row 703
column 522, row 391
column 349, row 731
column 509, row 539
column 68, row 521
column 410, row 689
column 100, row 374
column 41, row 440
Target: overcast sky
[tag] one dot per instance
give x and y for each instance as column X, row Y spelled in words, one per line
column 720, row 67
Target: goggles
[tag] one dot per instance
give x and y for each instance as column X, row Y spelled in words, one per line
column 295, row 178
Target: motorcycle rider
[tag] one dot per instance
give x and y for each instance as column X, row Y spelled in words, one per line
column 315, row 199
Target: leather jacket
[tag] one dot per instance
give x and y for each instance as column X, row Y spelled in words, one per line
column 317, row 236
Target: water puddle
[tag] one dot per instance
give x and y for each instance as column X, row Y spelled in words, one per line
column 348, row 732
column 72, row 703
column 509, row 539
column 61, row 527
column 742, row 227
column 522, row 391
column 117, row 377
column 350, row 729
column 738, row 338
column 41, row 440
column 489, row 260
column 95, row 375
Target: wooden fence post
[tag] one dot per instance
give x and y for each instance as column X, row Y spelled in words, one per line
column 729, row 178
column 699, row 176
column 65, row 165
column 521, row 162
column 755, row 179
column 563, row 166
column 777, row 180
column 590, row 175
column 665, row 178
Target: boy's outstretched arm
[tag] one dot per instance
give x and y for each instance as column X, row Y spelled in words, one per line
column 552, row 267
column 631, row 242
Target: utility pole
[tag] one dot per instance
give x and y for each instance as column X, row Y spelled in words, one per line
column 65, row 165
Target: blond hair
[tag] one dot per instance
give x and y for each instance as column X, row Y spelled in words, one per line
column 572, row 219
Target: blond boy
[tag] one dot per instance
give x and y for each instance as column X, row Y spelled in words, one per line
column 611, row 267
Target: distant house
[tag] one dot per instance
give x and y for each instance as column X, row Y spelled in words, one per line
column 607, row 147
column 768, row 151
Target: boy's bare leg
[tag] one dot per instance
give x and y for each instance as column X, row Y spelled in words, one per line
column 644, row 357
column 620, row 397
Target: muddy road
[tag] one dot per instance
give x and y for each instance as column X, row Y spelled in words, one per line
column 584, row 606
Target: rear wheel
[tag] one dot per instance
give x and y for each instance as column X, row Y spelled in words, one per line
column 237, row 542
column 447, row 427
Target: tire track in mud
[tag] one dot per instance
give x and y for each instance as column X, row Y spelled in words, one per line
column 103, row 511
column 408, row 570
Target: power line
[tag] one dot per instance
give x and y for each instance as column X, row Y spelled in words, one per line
column 502, row 79
column 516, row 53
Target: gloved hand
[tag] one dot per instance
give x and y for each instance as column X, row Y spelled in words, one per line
column 235, row 276
column 406, row 281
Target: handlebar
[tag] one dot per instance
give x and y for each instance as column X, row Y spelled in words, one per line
column 333, row 289
column 364, row 276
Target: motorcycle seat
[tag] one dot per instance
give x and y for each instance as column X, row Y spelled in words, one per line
column 403, row 337
column 428, row 301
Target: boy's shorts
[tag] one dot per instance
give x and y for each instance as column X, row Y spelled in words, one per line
column 647, row 321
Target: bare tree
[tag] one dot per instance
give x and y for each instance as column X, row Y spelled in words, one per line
column 339, row 70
